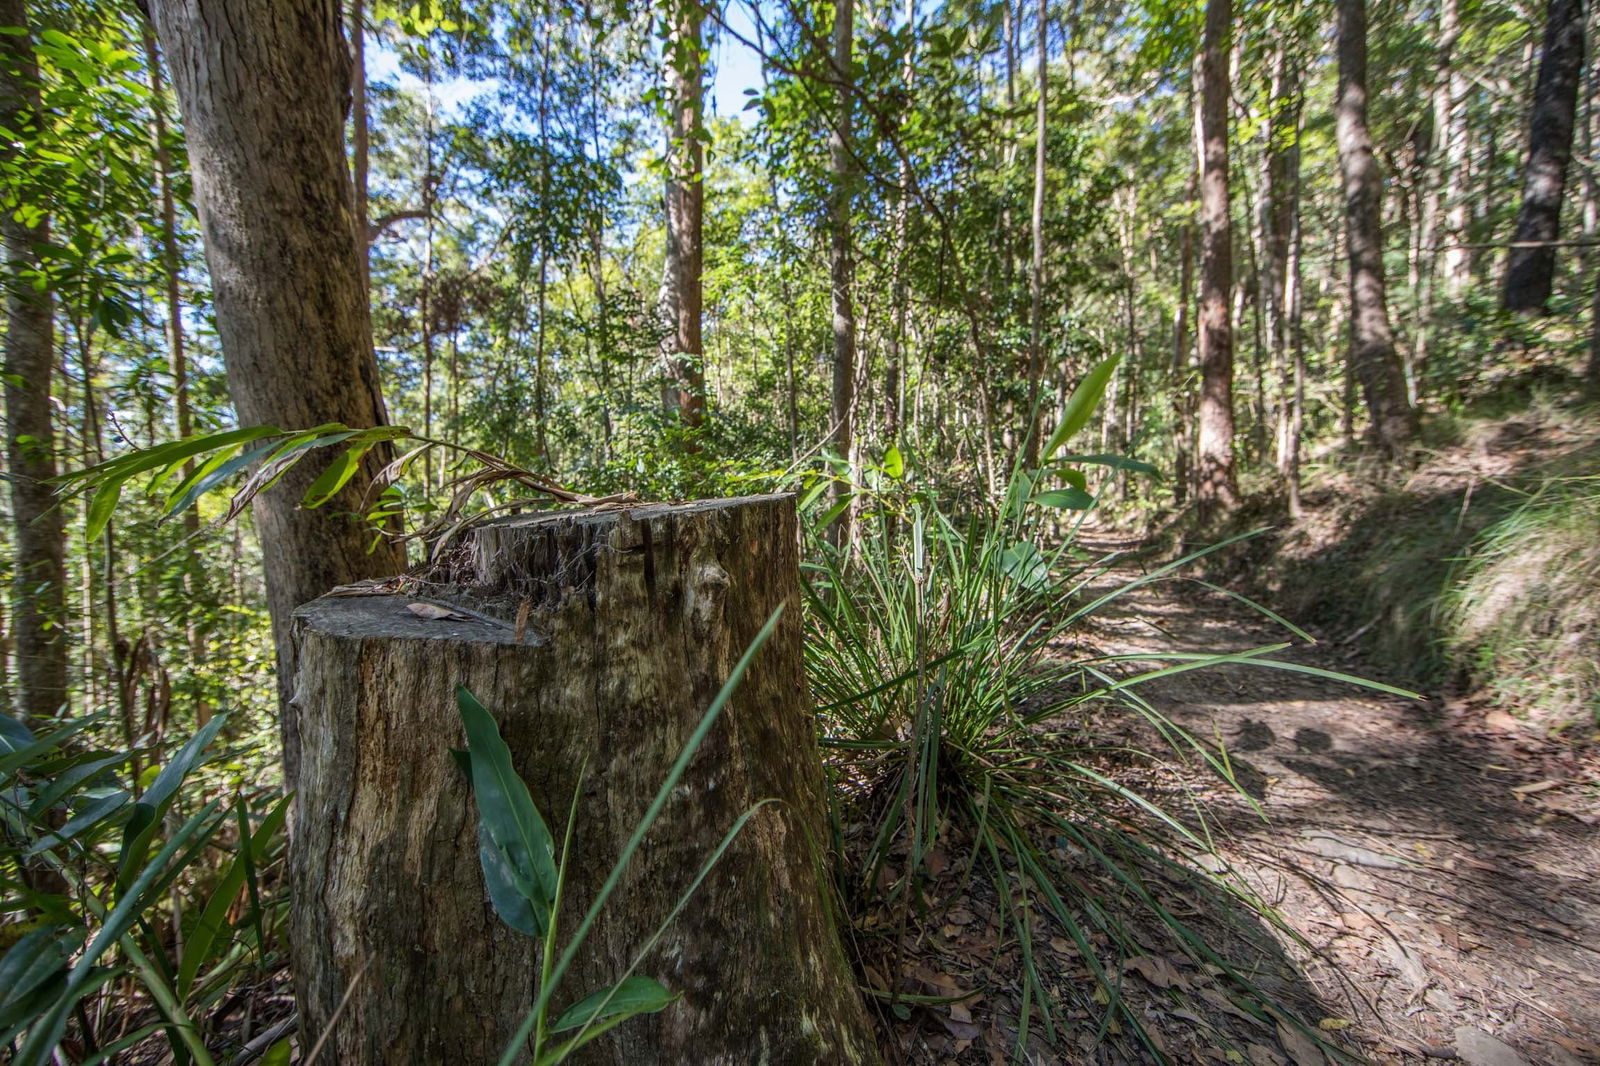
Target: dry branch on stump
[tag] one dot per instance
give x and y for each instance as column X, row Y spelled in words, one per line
column 631, row 620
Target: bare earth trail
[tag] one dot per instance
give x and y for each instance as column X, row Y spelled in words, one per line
column 1444, row 870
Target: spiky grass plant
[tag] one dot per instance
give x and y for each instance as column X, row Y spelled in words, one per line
column 1522, row 614
column 952, row 711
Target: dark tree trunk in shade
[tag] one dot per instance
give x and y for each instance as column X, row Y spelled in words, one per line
column 635, row 620
column 1372, row 355
column 262, row 85
column 40, row 644
column 1216, row 489
column 1530, row 271
column 683, row 392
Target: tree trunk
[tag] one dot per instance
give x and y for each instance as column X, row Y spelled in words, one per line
column 682, row 349
column 178, row 358
column 40, row 574
column 360, row 135
column 1530, row 271
column 1217, row 490
column 1452, row 121
column 262, row 86
column 1036, row 273
column 842, row 270
column 637, row 618
column 1372, row 352
column 1183, row 409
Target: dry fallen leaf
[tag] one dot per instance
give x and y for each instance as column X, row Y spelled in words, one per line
column 1158, row 971
column 1537, row 786
column 1333, row 1025
column 433, row 612
column 1300, row 1047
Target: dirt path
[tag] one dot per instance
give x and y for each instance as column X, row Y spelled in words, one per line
column 1442, row 867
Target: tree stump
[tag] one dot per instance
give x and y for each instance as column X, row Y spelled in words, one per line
column 630, row 622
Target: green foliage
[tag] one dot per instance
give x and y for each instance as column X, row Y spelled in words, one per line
column 1522, row 614
column 94, row 861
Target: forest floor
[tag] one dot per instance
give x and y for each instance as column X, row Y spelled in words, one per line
column 1439, row 864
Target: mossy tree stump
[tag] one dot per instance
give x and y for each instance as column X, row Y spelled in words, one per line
column 632, row 620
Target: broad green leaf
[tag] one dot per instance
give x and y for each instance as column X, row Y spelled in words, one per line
column 1081, row 405
column 43, row 1037
column 197, row 949
column 33, row 960
column 101, row 810
column 165, row 455
column 894, row 463
column 513, row 825
column 832, row 513
column 216, row 477
column 1069, row 499
column 635, row 995
column 1119, row 462
column 147, row 812
column 339, row 472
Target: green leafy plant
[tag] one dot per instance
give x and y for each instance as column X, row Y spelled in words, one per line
column 92, row 859
column 526, row 878
column 935, row 652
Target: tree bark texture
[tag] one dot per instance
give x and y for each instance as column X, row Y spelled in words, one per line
column 684, row 392
column 634, row 619
column 36, row 613
column 1216, row 488
column 1372, row 351
column 262, row 85
column 1530, row 271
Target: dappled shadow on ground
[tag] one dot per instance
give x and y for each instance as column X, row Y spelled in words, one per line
column 1444, row 873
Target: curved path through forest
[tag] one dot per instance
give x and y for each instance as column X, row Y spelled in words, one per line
column 1442, row 865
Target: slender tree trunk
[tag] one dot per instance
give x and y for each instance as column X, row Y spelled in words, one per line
column 1295, row 390
column 360, row 135
column 1183, row 408
column 1452, row 124
column 1217, row 490
column 893, row 388
column 682, row 350
column 178, row 360
column 1372, row 352
column 1036, row 272
column 36, row 613
column 1530, row 271
column 842, row 269
column 262, row 85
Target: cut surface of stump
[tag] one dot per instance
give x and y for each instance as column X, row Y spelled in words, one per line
column 597, row 639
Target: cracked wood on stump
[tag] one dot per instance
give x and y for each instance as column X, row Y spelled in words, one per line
column 635, row 619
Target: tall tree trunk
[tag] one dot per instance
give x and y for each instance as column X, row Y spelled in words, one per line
column 36, row 613
column 1531, row 264
column 842, row 270
column 893, row 387
column 1036, row 273
column 359, row 134
column 1217, row 490
column 262, row 86
column 1183, row 408
column 178, row 359
column 1295, row 386
column 682, row 350
column 1372, row 352
column 1451, row 122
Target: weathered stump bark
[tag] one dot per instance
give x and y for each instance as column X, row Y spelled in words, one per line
column 634, row 619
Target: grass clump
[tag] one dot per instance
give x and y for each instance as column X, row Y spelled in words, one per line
column 959, row 721
column 1523, row 614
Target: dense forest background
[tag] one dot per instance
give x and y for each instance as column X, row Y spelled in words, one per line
column 1312, row 246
